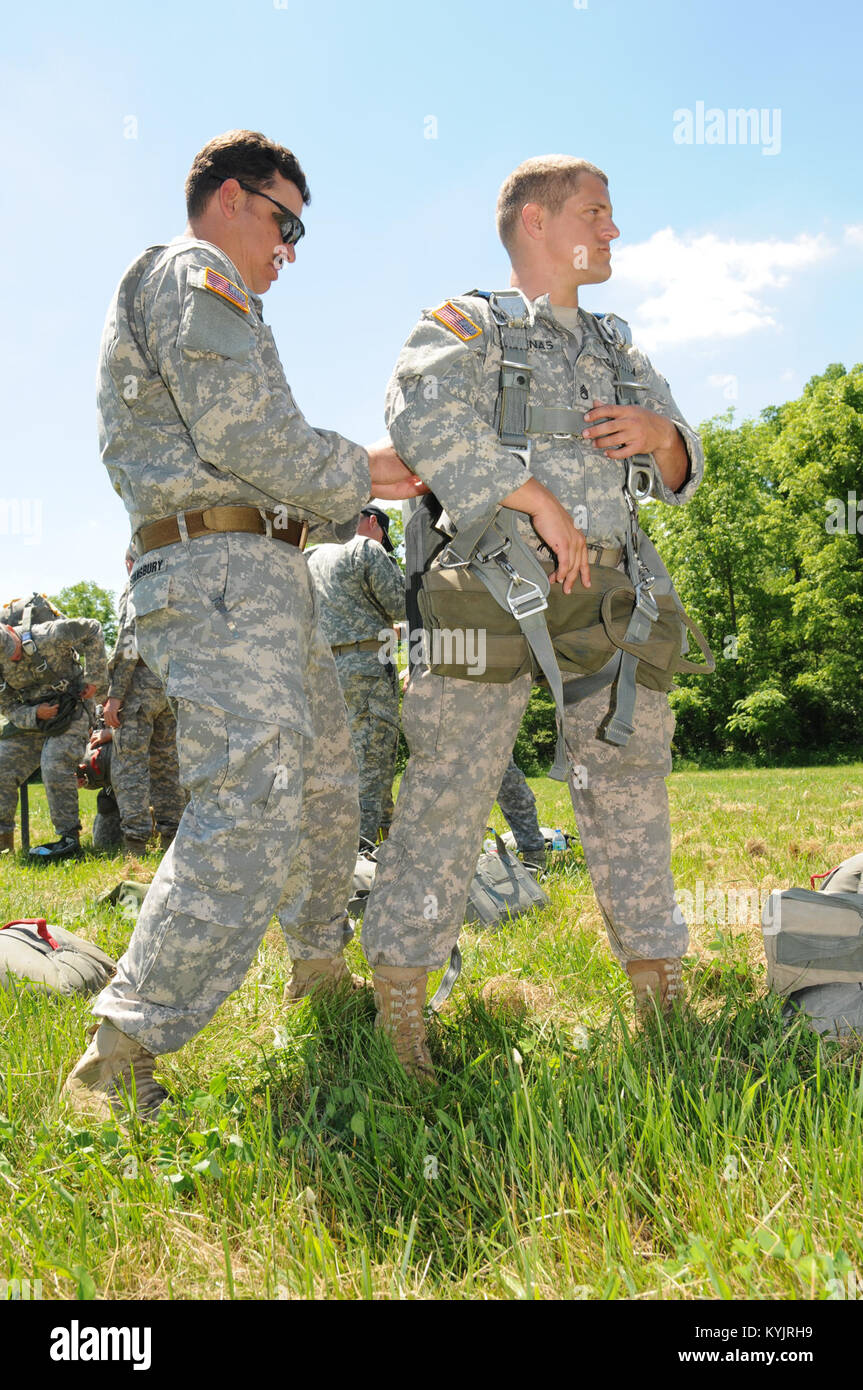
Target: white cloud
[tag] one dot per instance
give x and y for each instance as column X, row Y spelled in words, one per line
column 706, row 288
column 854, row 234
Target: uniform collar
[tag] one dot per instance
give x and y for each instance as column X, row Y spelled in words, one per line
column 238, row 279
column 543, row 310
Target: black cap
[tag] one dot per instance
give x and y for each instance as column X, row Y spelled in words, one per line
column 383, row 520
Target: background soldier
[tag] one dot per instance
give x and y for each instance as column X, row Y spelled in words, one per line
column 518, row 804
column 42, row 690
column 145, row 768
column 222, row 475
column 554, row 218
column 360, row 591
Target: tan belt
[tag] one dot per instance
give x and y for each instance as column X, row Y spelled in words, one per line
column 210, row 520
column 610, row 555
column 371, row 644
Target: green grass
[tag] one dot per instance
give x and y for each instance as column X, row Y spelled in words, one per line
column 564, row 1154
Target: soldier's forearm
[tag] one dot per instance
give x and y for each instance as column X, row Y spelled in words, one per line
column 672, row 460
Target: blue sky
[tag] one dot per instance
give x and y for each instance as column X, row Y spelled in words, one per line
column 739, row 265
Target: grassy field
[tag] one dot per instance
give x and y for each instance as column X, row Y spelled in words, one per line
column 564, row 1154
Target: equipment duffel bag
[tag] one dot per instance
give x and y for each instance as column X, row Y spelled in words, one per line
column 50, row 958
column 813, row 942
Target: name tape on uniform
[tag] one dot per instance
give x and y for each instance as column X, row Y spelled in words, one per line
column 220, row 284
column 457, row 322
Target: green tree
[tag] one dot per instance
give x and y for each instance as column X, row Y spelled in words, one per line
column 88, row 600
column 777, row 589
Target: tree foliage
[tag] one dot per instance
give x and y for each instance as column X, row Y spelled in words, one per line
column 767, row 559
column 88, row 600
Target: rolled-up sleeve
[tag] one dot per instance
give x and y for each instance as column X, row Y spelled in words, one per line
column 658, row 397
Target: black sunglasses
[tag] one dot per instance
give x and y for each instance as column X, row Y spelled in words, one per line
column 290, row 226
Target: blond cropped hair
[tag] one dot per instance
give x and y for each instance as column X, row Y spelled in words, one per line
column 548, row 179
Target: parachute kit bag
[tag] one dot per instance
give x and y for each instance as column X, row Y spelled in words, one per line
column 813, row 942
column 50, row 958
column 501, row 887
column 586, row 626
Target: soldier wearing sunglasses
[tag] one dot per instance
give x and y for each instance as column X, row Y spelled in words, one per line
column 223, row 479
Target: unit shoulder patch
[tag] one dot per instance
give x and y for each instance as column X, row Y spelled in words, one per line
column 220, row 284
column 457, row 322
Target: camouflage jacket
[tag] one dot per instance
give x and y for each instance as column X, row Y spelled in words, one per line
column 194, row 408
column 125, row 666
column 359, row 587
column 60, row 645
column 440, row 410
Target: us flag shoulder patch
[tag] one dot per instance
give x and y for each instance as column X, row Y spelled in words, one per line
column 220, row 284
column 457, row 322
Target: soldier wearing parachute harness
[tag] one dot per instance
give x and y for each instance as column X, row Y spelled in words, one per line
column 493, row 392
column 43, row 690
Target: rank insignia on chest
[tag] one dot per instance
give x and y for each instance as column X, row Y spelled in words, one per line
column 220, row 284
column 457, row 322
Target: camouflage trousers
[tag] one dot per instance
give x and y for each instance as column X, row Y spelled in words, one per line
column 460, row 734
column 371, row 696
column 518, row 804
column 145, row 769
column 23, row 751
column 265, row 754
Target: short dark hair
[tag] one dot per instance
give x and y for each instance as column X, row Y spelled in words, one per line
column 240, row 154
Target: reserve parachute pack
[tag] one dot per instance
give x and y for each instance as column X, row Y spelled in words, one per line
column 813, row 942
column 627, row 628
column 36, row 956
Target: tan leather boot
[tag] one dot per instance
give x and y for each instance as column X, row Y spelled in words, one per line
column 656, row 984
column 326, row 975
column 400, row 994
column 136, row 847
column 114, row 1074
column 7, row 841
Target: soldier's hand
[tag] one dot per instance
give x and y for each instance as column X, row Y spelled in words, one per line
column 88, row 692
column 99, row 736
column 555, row 526
column 46, row 711
column 111, row 712
column 392, row 480
column 627, row 429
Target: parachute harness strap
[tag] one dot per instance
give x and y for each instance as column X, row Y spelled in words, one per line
column 638, row 484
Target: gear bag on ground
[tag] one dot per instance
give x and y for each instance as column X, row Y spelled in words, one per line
column 813, row 942
column 501, row 887
column 34, row 955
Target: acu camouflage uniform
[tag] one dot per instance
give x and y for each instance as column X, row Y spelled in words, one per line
column 361, row 591
column 518, row 804
column 23, row 687
column 440, row 412
column 195, row 412
column 145, row 768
